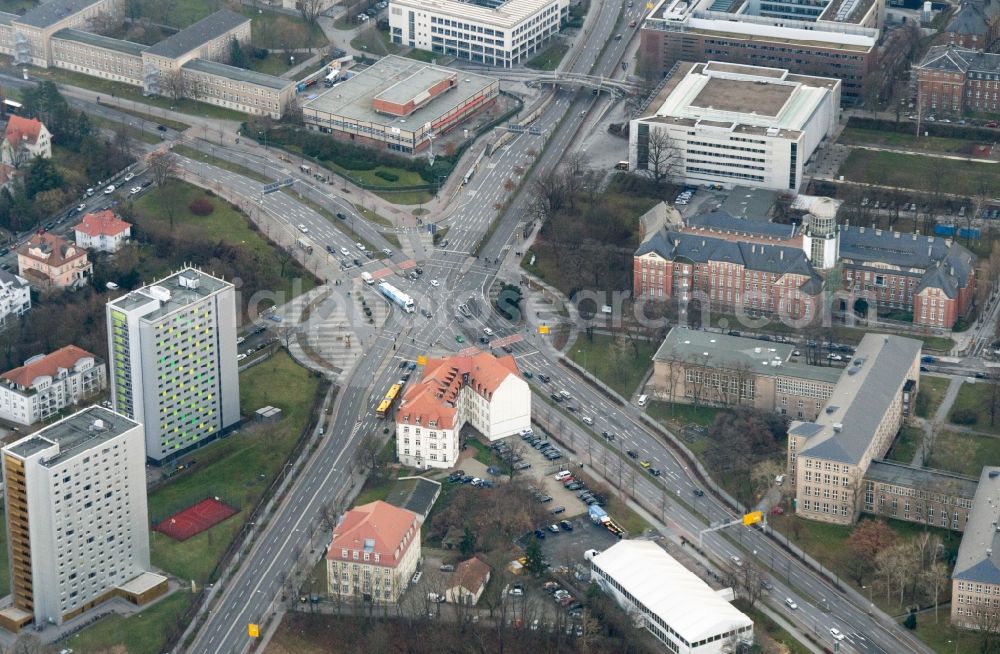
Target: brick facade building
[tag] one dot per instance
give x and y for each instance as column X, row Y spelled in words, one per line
column 952, row 80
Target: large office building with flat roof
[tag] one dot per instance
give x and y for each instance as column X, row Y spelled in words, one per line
column 829, row 456
column 399, row 104
column 173, row 360
column 708, row 368
column 734, row 124
column 828, row 38
column 491, row 32
column 77, row 525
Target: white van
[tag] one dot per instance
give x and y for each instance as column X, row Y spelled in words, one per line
column 367, row 278
column 643, row 399
column 562, row 475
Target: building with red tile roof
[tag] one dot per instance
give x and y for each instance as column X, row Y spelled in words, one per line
column 50, row 261
column 468, row 582
column 374, row 552
column 479, row 389
column 25, row 139
column 48, row 383
column 102, row 231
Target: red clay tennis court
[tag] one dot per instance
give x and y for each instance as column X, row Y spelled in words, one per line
column 195, row 519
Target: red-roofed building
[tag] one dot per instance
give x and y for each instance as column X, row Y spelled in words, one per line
column 373, row 554
column 48, row 383
column 25, row 139
column 468, row 582
column 102, row 231
column 485, row 391
column 50, row 261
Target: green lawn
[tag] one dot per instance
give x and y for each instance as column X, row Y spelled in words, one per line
column 140, row 633
column 198, row 155
column 232, row 468
column 550, row 58
column 483, row 453
column 375, row 42
column 678, row 415
column 921, row 173
column 908, row 141
column 406, row 197
column 274, row 63
column 941, row 637
column 976, row 397
column 909, row 439
column 425, row 56
column 224, row 224
column 932, row 390
column 620, row 367
column 16, row 6
column 965, row 454
column 936, row 343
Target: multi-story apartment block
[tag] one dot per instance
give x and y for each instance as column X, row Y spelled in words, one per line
column 706, row 368
column 732, row 124
column 77, row 526
column 772, row 280
column 25, row 139
column 173, row 360
column 102, row 231
column 15, row 296
column 953, row 80
column 828, row 38
column 373, row 554
column 400, row 104
column 493, row 32
column 47, row 384
column 975, row 25
column 932, row 277
column 935, row 497
column 828, row 457
column 975, row 582
column 480, row 389
column 49, row 261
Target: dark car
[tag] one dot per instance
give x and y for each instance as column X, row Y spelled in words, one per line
column 558, row 510
column 655, row 472
column 508, row 349
column 419, row 271
column 556, row 397
column 357, row 262
column 544, row 378
column 467, row 479
column 329, row 248
column 575, row 486
column 698, row 492
column 566, row 525
column 340, row 214
column 539, row 534
column 161, row 128
column 633, row 454
column 484, row 340
column 528, row 374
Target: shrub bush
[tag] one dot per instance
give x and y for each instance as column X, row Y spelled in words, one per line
column 387, row 176
column 964, row 416
column 201, row 207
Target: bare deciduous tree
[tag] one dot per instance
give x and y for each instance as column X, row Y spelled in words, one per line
column 663, row 158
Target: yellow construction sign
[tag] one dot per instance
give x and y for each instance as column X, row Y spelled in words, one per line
column 752, row 518
column 421, row 360
column 253, row 630
column 543, row 329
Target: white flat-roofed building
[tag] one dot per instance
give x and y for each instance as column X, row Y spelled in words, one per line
column 678, row 608
column 733, row 124
column 173, row 360
column 399, row 104
column 77, row 524
column 488, row 32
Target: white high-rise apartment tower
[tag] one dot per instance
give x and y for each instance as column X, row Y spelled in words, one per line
column 172, row 364
column 77, row 526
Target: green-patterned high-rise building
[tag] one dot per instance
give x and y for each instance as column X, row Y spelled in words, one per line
column 172, row 348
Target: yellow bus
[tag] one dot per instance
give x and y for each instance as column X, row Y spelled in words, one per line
column 386, row 404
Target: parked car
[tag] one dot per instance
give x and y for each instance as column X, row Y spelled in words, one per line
column 539, row 534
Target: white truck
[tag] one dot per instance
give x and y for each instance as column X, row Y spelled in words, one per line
column 305, row 244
